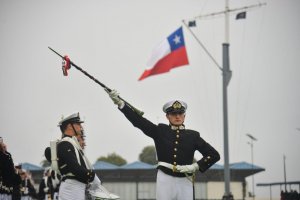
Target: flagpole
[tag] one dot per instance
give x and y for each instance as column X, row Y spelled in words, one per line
column 226, row 74
column 203, row 47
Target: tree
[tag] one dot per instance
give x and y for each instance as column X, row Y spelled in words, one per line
column 45, row 163
column 148, row 155
column 113, row 158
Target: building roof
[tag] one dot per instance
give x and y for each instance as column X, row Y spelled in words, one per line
column 244, row 169
column 138, row 165
column 104, row 165
column 31, row 167
column 245, row 165
column 239, row 166
column 217, row 166
column 279, row 183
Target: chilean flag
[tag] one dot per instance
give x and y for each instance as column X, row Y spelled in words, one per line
column 170, row 53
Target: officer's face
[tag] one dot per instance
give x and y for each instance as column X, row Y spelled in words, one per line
column 81, row 141
column 176, row 119
column 74, row 129
column 78, row 128
column 23, row 175
column 3, row 147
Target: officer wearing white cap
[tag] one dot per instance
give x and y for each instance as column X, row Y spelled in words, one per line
column 175, row 147
column 73, row 165
column 176, row 106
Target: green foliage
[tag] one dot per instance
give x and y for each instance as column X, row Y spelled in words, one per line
column 148, row 155
column 113, row 158
column 45, row 163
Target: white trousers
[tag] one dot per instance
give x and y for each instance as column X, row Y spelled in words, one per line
column 71, row 189
column 173, row 188
column 55, row 196
column 5, row 196
column 26, row 198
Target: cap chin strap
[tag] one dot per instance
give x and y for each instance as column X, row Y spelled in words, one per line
column 76, row 133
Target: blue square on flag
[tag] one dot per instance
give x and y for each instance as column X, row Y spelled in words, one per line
column 176, row 39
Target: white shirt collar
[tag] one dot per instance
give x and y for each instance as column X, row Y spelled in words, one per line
column 181, row 127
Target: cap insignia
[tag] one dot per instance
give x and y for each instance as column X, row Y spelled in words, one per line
column 176, row 105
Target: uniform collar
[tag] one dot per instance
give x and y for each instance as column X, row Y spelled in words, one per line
column 181, row 127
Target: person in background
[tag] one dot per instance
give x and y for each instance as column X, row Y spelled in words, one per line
column 27, row 189
column 46, row 188
column 55, row 179
column 10, row 177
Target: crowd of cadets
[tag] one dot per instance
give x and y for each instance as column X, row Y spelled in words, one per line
column 292, row 195
column 48, row 188
column 17, row 183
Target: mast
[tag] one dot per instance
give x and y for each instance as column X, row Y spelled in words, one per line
column 226, row 75
column 284, row 173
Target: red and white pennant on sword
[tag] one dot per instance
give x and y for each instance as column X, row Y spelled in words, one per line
column 66, row 65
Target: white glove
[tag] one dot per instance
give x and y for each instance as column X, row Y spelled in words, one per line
column 46, row 189
column 96, row 180
column 95, row 183
column 187, row 168
column 100, row 192
column 114, row 95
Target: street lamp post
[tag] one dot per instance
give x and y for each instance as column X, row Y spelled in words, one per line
column 284, row 173
column 251, row 145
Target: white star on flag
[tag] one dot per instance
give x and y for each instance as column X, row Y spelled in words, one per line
column 176, row 39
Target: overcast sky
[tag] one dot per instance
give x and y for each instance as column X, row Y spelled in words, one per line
column 113, row 40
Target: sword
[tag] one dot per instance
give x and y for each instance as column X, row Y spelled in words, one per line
column 67, row 65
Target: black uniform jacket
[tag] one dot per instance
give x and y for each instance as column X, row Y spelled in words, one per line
column 43, row 185
column 176, row 147
column 67, row 162
column 31, row 190
column 7, row 171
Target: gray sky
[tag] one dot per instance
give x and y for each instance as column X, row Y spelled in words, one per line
column 113, row 40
